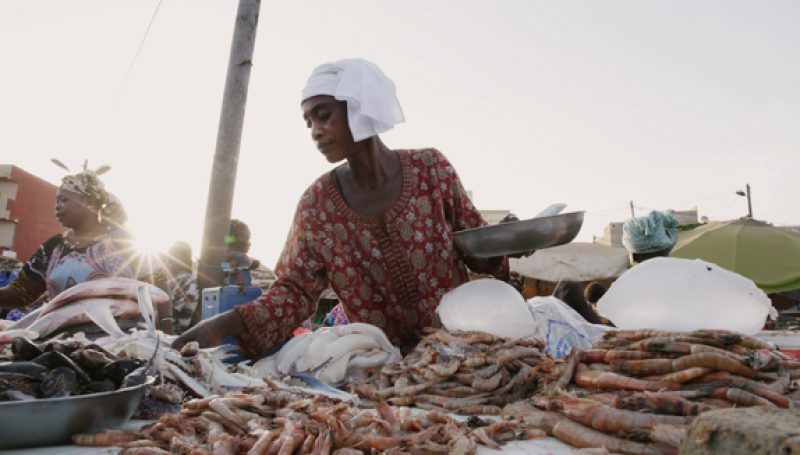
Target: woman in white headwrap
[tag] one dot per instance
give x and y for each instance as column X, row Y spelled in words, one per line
column 378, row 228
column 95, row 244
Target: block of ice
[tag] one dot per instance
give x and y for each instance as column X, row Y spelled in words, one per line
column 685, row 294
column 486, row 305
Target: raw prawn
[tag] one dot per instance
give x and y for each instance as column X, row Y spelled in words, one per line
column 605, row 380
column 580, row 436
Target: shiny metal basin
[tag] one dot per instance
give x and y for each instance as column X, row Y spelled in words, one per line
column 52, row 421
column 519, row 236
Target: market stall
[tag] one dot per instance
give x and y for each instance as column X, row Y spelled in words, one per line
column 347, row 387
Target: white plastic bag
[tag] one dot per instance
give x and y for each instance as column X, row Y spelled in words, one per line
column 486, row 305
column 684, row 295
column 561, row 327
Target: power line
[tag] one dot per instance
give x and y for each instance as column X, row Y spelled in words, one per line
column 138, row 51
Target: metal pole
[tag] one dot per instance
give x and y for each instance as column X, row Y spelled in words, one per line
column 749, row 205
column 229, row 136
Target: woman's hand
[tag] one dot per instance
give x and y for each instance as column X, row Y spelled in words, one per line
column 211, row 331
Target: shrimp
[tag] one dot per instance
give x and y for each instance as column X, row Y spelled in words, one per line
column 324, row 443
column 611, row 420
column 573, row 360
column 661, row 403
column 199, row 403
column 478, row 409
column 580, row 436
column 635, row 335
column 105, row 438
column 741, row 397
column 715, row 361
column 697, row 348
column 722, row 336
column 681, row 376
column 517, row 352
column 445, row 369
column 754, row 343
column 593, row 355
column 262, row 443
column 647, row 367
column 614, row 355
column 489, row 384
column 523, row 412
column 605, row 380
column 675, row 341
column 144, row 451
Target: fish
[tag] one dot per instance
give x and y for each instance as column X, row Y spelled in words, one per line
column 103, row 287
column 93, row 310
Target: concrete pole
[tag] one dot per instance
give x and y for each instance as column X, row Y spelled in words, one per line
column 229, row 137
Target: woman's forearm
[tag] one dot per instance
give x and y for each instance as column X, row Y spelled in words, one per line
column 10, row 298
column 21, row 292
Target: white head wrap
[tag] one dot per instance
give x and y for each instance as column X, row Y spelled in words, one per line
column 372, row 104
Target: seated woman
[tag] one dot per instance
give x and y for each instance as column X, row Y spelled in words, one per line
column 95, row 245
column 378, row 228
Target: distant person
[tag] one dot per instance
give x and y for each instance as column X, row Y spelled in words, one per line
column 650, row 236
column 571, row 293
column 183, row 290
column 238, row 243
column 593, row 292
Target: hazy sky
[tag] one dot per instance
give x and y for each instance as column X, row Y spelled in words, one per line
column 671, row 104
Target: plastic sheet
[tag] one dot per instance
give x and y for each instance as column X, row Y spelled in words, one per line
column 487, row 305
column 683, row 294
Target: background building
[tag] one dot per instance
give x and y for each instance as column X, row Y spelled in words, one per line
column 27, row 212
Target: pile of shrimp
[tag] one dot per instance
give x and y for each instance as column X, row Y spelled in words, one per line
column 277, row 420
column 637, row 391
column 468, row 373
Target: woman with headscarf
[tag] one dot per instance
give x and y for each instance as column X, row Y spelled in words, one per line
column 378, row 228
column 650, row 236
column 95, row 245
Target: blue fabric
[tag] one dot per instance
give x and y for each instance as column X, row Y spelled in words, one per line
column 647, row 234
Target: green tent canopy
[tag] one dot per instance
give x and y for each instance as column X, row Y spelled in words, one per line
column 767, row 255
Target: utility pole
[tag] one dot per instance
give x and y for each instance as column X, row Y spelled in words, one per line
column 749, row 204
column 229, row 138
column 633, row 215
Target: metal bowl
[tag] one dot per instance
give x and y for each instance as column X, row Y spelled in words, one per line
column 518, row 237
column 52, row 421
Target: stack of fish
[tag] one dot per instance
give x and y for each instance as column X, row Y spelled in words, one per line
column 461, row 372
column 637, row 391
column 277, row 419
column 100, row 301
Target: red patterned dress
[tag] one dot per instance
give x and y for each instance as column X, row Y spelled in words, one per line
column 389, row 271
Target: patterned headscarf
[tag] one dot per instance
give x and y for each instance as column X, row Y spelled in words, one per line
column 648, row 234
column 88, row 184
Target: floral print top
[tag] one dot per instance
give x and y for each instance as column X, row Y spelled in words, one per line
column 59, row 267
column 389, row 271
